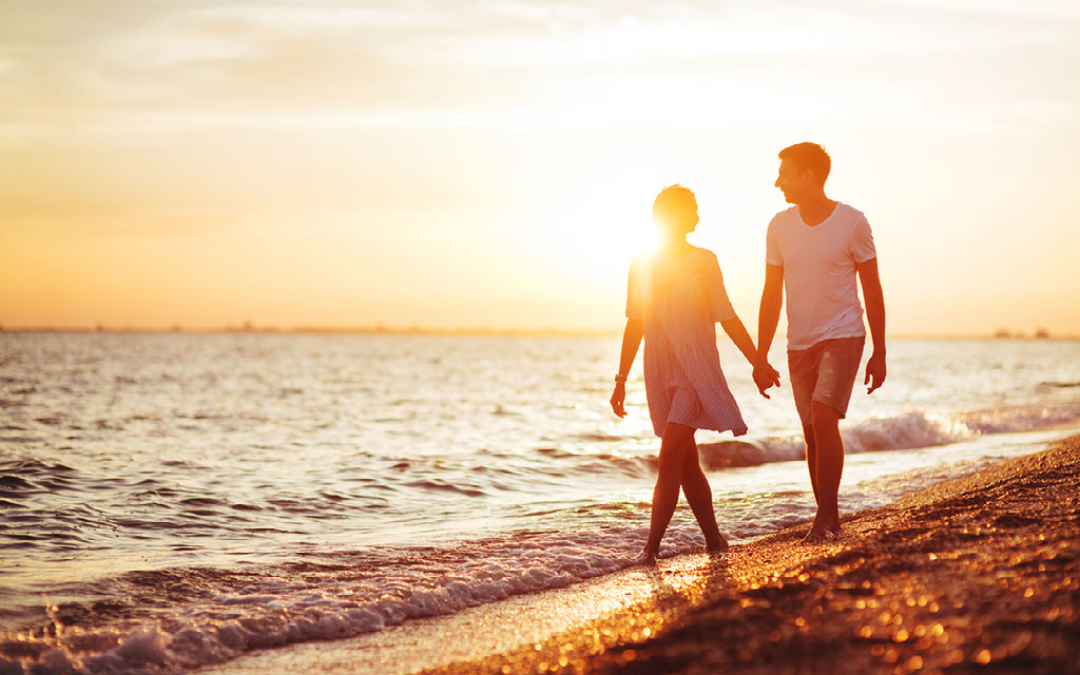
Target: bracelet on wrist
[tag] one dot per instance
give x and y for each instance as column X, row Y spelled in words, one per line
column 620, row 379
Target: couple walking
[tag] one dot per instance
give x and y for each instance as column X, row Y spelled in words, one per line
column 814, row 250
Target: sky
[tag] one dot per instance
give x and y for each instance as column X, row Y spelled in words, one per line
column 492, row 164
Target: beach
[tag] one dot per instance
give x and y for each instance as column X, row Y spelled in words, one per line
column 975, row 574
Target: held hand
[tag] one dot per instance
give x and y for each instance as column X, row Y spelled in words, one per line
column 618, row 399
column 765, row 376
column 875, row 372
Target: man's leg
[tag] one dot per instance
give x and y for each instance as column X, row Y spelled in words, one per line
column 822, row 379
column 811, row 456
column 828, row 467
column 803, row 371
column 674, row 444
column 699, row 494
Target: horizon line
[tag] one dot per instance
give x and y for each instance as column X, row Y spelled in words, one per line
column 380, row 329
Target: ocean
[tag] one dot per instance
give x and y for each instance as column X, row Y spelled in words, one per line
column 176, row 500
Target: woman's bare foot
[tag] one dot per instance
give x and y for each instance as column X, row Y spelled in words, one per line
column 646, row 557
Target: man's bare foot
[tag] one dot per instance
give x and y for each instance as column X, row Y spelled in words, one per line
column 718, row 547
column 821, row 534
column 816, row 536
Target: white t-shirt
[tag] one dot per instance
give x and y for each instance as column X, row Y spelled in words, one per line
column 819, row 272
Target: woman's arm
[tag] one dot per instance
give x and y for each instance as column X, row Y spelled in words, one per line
column 741, row 337
column 631, row 340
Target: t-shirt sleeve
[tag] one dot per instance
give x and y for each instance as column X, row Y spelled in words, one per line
column 772, row 248
column 719, row 305
column 862, row 242
column 633, row 293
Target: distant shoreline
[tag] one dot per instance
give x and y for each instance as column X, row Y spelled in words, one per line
column 302, row 330
column 397, row 330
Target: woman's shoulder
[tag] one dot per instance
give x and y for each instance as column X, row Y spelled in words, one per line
column 695, row 257
column 702, row 255
column 689, row 253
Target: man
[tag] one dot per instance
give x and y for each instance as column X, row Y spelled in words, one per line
column 815, row 249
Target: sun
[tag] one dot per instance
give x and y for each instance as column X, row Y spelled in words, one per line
column 606, row 229
column 596, row 218
column 604, row 219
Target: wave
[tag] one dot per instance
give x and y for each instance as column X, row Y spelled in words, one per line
column 908, row 430
column 1020, row 418
column 217, row 615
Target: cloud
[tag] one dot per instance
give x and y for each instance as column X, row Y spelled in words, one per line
column 102, row 67
column 1034, row 10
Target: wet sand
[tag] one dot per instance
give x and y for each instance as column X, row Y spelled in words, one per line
column 978, row 574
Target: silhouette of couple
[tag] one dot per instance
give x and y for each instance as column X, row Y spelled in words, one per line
column 814, row 251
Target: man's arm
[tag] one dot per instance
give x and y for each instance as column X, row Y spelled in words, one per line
column 772, row 301
column 632, row 334
column 875, row 316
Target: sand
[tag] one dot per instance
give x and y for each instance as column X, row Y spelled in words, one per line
column 978, row 574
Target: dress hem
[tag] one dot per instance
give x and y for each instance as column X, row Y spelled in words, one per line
column 741, row 431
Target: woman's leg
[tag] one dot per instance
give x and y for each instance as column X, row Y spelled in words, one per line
column 699, row 494
column 674, row 444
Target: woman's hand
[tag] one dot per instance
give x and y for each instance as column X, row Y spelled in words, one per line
column 618, row 399
column 631, row 340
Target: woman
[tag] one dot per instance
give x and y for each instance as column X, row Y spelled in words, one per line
column 674, row 300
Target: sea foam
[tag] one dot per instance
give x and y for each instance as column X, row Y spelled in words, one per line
column 281, row 608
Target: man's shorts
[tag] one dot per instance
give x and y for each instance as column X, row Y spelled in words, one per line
column 825, row 373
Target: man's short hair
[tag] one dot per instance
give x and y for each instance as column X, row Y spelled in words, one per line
column 673, row 199
column 808, row 156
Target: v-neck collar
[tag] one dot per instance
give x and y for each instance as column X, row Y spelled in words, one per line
column 798, row 212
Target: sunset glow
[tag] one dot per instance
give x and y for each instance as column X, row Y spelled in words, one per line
column 493, row 164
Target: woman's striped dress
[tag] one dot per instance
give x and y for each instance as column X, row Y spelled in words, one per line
column 680, row 299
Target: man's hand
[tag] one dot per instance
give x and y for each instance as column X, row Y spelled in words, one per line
column 618, row 399
column 875, row 372
column 765, row 376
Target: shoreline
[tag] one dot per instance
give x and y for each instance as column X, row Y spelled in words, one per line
column 975, row 571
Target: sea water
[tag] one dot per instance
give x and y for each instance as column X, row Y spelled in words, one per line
column 173, row 500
